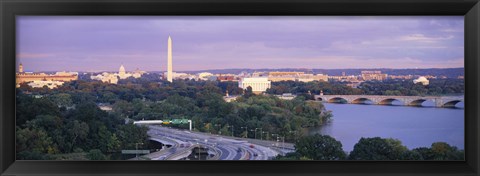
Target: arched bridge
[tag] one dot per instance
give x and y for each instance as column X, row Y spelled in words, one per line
column 439, row 101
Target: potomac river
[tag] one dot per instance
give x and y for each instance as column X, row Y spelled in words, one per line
column 414, row 126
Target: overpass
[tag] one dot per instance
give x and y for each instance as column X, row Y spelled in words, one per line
column 165, row 122
column 439, row 101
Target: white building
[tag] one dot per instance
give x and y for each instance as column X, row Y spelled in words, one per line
column 286, row 96
column 106, row 77
column 176, row 75
column 258, row 84
column 422, row 80
column 312, row 77
column 204, row 75
column 114, row 77
column 49, row 84
column 138, row 73
column 64, row 73
column 296, row 76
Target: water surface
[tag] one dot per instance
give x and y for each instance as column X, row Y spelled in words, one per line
column 414, row 126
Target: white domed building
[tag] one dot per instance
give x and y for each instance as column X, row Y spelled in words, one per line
column 422, row 80
column 122, row 74
column 204, row 75
column 114, row 77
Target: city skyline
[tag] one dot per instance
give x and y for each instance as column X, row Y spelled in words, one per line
column 209, row 43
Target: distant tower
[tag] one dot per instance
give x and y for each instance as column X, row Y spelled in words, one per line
column 20, row 68
column 169, row 64
column 121, row 71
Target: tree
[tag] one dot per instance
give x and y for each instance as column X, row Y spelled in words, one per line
column 440, row 151
column 33, row 140
column 77, row 131
column 62, row 99
column 130, row 134
column 29, row 108
column 113, row 143
column 443, row 151
column 96, row 154
column 248, row 92
column 123, row 107
column 320, row 147
column 378, row 149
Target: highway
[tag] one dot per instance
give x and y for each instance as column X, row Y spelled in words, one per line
column 222, row 147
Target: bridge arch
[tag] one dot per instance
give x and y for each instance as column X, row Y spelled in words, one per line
column 417, row 102
column 451, row 104
column 338, row 100
column 389, row 101
column 362, row 100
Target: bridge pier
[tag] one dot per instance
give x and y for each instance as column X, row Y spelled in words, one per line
column 438, row 102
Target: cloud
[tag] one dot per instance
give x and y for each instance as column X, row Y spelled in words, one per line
column 423, row 38
column 452, row 30
column 34, row 55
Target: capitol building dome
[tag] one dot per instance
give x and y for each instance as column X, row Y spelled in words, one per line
column 422, row 80
column 121, row 70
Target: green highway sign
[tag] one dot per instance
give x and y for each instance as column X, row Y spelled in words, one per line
column 176, row 121
column 135, row 151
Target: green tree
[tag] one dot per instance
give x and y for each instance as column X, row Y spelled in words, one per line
column 378, row 149
column 443, row 151
column 33, row 140
column 29, row 108
column 320, row 147
column 248, row 92
column 62, row 99
column 113, row 143
column 96, row 154
column 130, row 134
column 77, row 133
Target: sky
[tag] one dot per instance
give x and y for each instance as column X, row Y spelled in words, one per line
column 103, row 43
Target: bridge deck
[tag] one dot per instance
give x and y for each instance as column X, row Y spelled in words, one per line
column 439, row 101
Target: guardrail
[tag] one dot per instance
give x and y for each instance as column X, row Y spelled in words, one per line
column 217, row 156
column 159, row 153
column 246, row 155
column 187, row 150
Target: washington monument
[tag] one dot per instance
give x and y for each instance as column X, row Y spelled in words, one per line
column 169, row 64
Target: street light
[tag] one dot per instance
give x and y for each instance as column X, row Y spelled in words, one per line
column 294, row 135
column 276, row 144
column 246, row 131
column 256, row 133
column 228, row 126
column 136, row 148
column 265, row 132
column 280, row 137
column 198, row 151
column 219, row 125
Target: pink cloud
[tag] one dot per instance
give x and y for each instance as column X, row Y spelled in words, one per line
column 34, row 55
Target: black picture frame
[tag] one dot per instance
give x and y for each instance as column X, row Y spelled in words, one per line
column 11, row 8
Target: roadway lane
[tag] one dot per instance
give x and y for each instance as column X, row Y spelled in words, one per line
column 228, row 147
